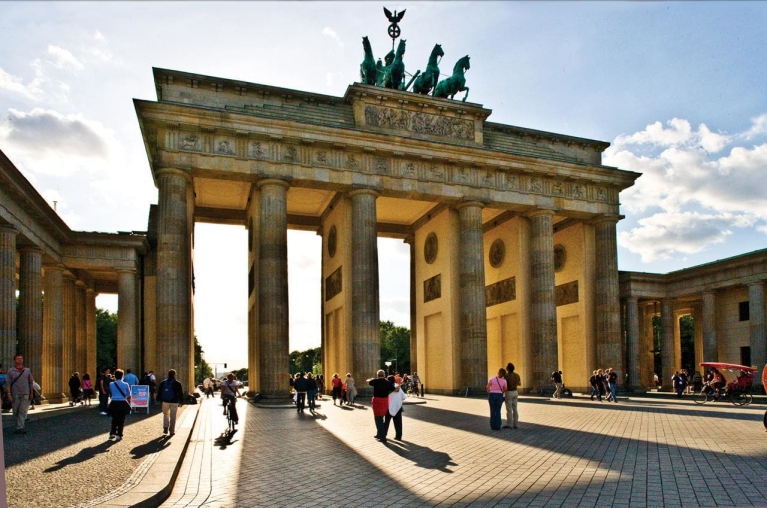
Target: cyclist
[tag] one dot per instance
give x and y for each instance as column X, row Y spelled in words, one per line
column 229, row 394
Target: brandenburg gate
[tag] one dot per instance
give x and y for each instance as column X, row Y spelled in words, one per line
column 512, row 231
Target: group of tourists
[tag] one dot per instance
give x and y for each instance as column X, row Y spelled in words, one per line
column 604, row 382
column 343, row 391
column 305, row 390
column 503, row 389
column 388, row 399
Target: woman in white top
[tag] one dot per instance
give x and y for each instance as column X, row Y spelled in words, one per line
column 351, row 391
column 396, row 398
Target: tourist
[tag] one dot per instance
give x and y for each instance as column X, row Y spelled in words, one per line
column 416, row 382
column 320, row 385
column 74, row 389
column 87, row 389
column 130, row 378
column 336, row 383
column 207, row 387
column 382, row 387
column 104, row 380
column 301, row 386
column 496, row 387
column 594, row 389
column 19, row 389
column 171, row 394
column 600, row 384
column 120, row 405
column 311, row 391
column 351, row 390
column 612, row 383
column 511, row 397
column 229, row 393
column 396, row 399
column 152, row 384
column 556, row 376
column 606, row 384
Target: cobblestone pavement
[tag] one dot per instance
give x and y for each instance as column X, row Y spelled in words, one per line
column 572, row 452
column 65, row 459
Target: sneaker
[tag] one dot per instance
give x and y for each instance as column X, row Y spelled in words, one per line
column 118, row 438
column 111, row 436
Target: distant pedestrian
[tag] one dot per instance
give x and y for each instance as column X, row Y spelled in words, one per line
column 336, row 383
column 300, row 386
column 130, row 378
column 556, row 377
column 119, row 406
column 320, row 379
column 311, row 391
column 416, row 379
column 382, row 387
column 19, row 389
column 74, row 389
column 351, row 390
column 152, row 386
column 612, row 383
column 104, row 380
column 594, row 389
column 87, row 389
column 396, row 399
column 600, row 380
column 171, row 393
column 496, row 387
column 511, row 397
column 207, row 387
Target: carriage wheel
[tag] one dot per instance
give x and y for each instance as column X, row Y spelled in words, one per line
column 738, row 398
column 701, row 398
column 749, row 398
column 394, row 31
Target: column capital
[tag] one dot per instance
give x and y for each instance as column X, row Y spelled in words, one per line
column 632, row 299
column 173, row 171
column 273, row 181
column 606, row 218
column 755, row 283
column 88, row 291
column 30, row 249
column 125, row 270
column 359, row 192
column 9, row 230
column 80, row 284
column 410, row 239
column 540, row 211
column 468, row 204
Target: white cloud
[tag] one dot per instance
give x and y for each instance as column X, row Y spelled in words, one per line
column 64, row 59
column 97, row 35
column 32, row 90
column 333, row 35
column 758, row 127
column 678, row 133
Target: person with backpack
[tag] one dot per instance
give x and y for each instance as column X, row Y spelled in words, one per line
column 171, row 394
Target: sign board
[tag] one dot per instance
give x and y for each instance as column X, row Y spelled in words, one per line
column 139, row 397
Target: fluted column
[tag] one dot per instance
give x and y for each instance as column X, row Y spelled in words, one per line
column 543, row 304
column 413, row 307
column 365, row 333
column 471, row 274
column 710, row 346
column 53, row 316
column 667, row 343
column 174, row 284
column 608, row 318
column 90, row 333
column 273, row 322
column 68, row 334
column 633, row 342
column 31, row 308
column 7, row 295
column 81, row 357
column 127, row 340
column 756, row 323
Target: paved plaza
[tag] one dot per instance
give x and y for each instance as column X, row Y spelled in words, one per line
column 574, row 452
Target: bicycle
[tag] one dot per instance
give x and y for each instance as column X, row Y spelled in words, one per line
column 230, row 410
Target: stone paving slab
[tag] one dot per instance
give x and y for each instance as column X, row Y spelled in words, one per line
column 574, row 452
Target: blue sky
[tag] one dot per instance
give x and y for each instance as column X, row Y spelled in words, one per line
column 677, row 88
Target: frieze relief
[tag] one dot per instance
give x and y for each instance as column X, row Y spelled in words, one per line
column 333, row 284
column 225, row 147
column 432, row 288
column 189, row 141
column 566, row 294
column 501, row 292
column 421, row 123
column 257, row 150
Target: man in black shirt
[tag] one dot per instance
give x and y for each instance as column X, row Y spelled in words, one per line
column 382, row 387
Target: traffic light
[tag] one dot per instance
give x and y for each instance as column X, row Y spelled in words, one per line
column 224, row 365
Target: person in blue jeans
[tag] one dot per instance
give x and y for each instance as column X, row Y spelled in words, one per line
column 496, row 387
column 612, row 381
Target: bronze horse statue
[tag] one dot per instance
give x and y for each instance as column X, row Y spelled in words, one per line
column 430, row 76
column 395, row 73
column 455, row 83
column 368, row 65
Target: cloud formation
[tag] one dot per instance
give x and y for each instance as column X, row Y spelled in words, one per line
column 688, row 196
column 63, row 58
column 32, row 90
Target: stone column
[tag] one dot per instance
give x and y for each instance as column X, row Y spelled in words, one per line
column 174, row 285
column 7, row 295
column 413, row 314
column 756, row 323
column 365, row 333
column 668, row 361
column 608, row 319
column 68, row 333
column 273, row 322
column 127, row 340
column 633, row 343
column 471, row 278
column 90, row 333
column 53, row 316
column 710, row 346
column 31, row 308
column 543, row 304
column 81, row 357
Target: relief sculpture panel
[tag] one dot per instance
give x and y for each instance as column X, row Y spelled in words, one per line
column 432, row 288
column 421, row 123
column 333, row 284
column 567, row 293
column 501, row 291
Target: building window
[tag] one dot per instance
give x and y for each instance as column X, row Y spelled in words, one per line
column 745, row 355
column 744, row 311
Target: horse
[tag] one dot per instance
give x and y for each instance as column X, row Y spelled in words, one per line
column 430, row 76
column 455, row 83
column 395, row 73
column 368, row 65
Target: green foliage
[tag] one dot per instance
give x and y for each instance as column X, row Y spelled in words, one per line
column 687, row 339
column 395, row 347
column 106, row 339
column 241, row 374
column 201, row 367
column 305, row 361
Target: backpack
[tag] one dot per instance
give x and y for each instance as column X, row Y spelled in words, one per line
column 166, row 391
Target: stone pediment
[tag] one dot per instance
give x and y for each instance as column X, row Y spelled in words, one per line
column 416, row 116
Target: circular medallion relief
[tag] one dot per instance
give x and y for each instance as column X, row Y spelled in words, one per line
column 430, row 248
column 560, row 256
column 332, row 241
column 497, row 253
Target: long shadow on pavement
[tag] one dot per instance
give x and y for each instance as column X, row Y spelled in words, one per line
column 82, row 455
column 422, row 456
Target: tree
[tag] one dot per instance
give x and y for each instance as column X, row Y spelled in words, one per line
column 687, row 340
column 395, row 346
column 106, row 339
column 201, row 367
column 306, row 361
